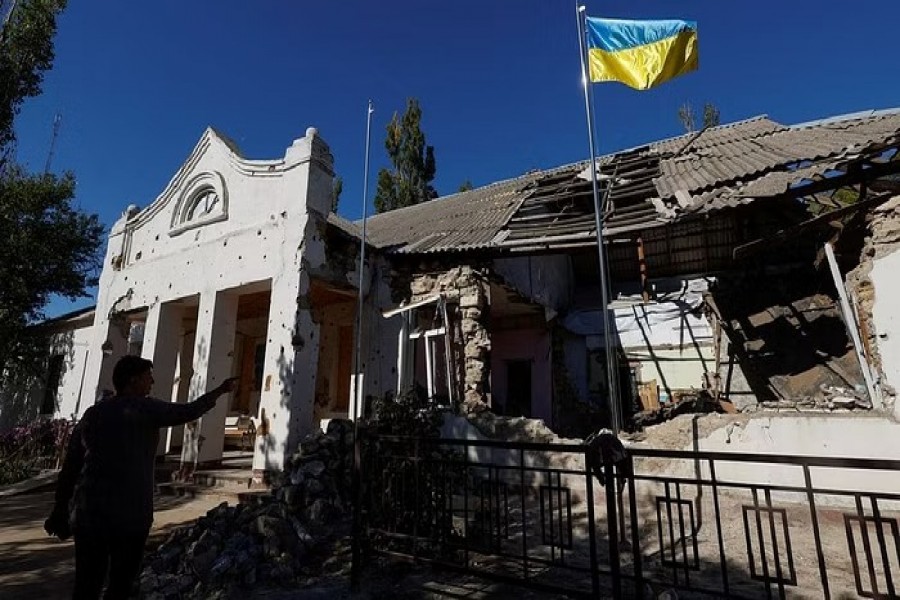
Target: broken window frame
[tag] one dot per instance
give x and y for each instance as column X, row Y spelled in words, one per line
column 406, row 348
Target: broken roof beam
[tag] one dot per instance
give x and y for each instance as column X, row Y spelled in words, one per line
column 756, row 246
column 853, row 174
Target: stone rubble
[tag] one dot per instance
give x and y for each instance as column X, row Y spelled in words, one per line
column 268, row 542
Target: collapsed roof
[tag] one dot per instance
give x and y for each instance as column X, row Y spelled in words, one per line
column 649, row 186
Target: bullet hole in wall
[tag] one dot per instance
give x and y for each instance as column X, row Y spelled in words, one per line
column 157, row 237
column 225, row 243
column 137, row 256
column 259, row 232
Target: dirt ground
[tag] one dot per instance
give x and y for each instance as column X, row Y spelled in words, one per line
column 34, row 565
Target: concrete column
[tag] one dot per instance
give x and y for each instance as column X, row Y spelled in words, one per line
column 286, row 407
column 182, row 385
column 110, row 344
column 162, row 334
column 213, row 360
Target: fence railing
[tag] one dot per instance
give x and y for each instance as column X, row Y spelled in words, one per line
column 555, row 517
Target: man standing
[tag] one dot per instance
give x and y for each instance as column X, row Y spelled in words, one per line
column 109, row 473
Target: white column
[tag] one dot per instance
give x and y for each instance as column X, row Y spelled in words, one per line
column 289, row 375
column 162, row 334
column 110, row 344
column 213, row 359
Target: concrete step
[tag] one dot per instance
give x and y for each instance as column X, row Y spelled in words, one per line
column 232, row 494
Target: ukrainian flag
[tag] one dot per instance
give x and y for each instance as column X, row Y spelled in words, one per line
column 640, row 54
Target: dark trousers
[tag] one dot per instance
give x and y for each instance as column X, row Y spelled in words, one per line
column 98, row 553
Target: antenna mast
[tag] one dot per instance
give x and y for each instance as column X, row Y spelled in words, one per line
column 57, row 121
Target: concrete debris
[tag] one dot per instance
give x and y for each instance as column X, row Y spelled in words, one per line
column 235, row 547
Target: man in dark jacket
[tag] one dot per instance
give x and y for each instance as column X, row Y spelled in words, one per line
column 108, row 478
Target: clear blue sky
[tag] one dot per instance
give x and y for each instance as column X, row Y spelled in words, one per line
column 498, row 81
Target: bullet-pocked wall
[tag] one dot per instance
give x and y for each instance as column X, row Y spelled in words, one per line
column 223, row 228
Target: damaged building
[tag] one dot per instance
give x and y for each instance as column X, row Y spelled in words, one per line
column 722, row 246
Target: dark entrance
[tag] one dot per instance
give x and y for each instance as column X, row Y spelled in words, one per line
column 518, row 388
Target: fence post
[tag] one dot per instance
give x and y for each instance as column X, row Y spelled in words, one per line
column 356, row 541
column 615, row 568
column 592, row 525
column 637, row 556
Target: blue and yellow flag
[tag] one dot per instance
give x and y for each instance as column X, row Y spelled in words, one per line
column 640, row 54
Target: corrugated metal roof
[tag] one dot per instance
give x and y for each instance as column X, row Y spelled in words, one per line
column 462, row 221
column 713, row 169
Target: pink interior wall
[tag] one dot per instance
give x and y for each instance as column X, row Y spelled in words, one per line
column 528, row 344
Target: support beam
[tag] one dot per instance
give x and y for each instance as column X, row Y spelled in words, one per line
column 852, row 330
column 162, row 333
column 213, row 363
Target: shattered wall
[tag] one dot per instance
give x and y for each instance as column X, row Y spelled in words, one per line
column 785, row 332
column 875, row 289
column 668, row 341
column 546, row 280
column 467, row 290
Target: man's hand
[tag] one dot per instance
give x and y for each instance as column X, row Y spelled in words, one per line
column 228, row 386
column 58, row 524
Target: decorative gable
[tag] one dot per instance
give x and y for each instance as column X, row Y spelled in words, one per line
column 203, row 200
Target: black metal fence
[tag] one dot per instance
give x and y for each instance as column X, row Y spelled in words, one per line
column 553, row 517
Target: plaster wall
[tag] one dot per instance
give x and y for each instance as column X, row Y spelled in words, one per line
column 827, row 435
column 261, row 229
column 73, row 346
column 673, row 368
column 22, row 397
column 532, row 345
column 544, row 279
column 886, row 318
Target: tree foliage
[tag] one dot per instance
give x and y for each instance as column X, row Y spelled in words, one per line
column 26, row 52
column 336, row 188
column 409, row 182
column 688, row 116
column 48, row 246
column 465, row 186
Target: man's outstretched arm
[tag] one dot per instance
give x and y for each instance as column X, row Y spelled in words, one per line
column 170, row 414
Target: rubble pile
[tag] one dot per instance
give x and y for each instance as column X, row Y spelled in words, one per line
column 831, row 398
column 233, row 547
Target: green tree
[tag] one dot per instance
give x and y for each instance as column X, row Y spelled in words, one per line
column 409, row 182
column 688, row 116
column 26, row 52
column 465, row 186
column 48, row 246
column 336, row 188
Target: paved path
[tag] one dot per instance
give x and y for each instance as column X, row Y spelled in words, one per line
column 35, row 566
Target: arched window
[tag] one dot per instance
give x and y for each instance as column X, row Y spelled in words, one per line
column 204, row 200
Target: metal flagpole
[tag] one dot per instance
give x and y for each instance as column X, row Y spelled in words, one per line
column 358, row 388
column 611, row 371
column 356, row 566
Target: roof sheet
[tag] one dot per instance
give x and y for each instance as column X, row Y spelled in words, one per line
column 708, row 170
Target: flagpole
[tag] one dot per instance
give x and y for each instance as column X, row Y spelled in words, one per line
column 358, row 388
column 611, row 371
column 356, row 558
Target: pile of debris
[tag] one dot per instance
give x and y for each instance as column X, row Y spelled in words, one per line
column 267, row 542
column 698, row 401
column 831, row 398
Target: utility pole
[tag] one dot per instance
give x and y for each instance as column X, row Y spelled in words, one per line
column 57, row 121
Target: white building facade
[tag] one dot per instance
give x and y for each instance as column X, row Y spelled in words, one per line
column 226, row 274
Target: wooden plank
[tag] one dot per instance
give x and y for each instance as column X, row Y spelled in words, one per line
column 648, row 393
